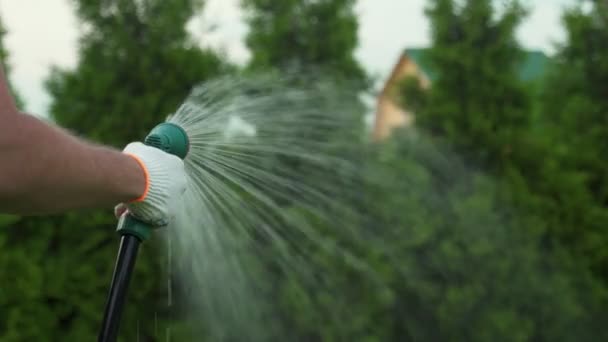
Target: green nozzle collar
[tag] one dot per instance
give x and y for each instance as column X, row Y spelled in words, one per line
column 129, row 225
column 170, row 138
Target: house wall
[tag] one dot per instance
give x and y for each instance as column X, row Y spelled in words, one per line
column 389, row 113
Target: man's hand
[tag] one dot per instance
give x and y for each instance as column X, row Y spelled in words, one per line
column 165, row 183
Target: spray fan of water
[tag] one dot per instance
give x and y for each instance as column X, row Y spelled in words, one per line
column 266, row 161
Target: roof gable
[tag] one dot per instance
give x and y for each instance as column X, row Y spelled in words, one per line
column 534, row 64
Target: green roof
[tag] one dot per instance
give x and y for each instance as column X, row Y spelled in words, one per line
column 534, row 65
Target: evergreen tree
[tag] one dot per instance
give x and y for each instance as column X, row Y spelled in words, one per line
column 476, row 101
column 304, row 34
column 4, row 59
column 136, row 64
column 575, row 113
column 478, row 106
column 460, row 259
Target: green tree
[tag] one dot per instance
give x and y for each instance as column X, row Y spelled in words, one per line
column 483, row 112
column 479, row 106
column 464, row 266
column 476, row 101
column 574, row 111
column 304, row 34
column 4, row 59
column 136, row 65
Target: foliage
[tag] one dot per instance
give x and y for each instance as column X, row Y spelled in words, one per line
column 136, row 66
column 4, row 59
column 479, row 108
column 303, row 35
column 412, row 94
column 470, row 266
column 476, row 95
column 574, row 114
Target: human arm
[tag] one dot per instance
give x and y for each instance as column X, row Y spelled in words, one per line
column 44, row 169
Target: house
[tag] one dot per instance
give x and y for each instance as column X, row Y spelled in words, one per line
column 415, row 62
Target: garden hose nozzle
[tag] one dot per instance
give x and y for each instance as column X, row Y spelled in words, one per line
column 172, row 139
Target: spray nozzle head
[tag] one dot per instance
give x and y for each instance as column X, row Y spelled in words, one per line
column 170, row 138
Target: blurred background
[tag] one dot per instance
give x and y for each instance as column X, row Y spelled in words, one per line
column 483, row 162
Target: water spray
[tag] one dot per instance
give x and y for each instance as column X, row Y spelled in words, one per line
column 264, row 168
column 172, row 139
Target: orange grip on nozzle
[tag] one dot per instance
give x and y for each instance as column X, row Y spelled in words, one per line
column 146, row 177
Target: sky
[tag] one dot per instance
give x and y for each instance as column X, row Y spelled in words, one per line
column 44, row 33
